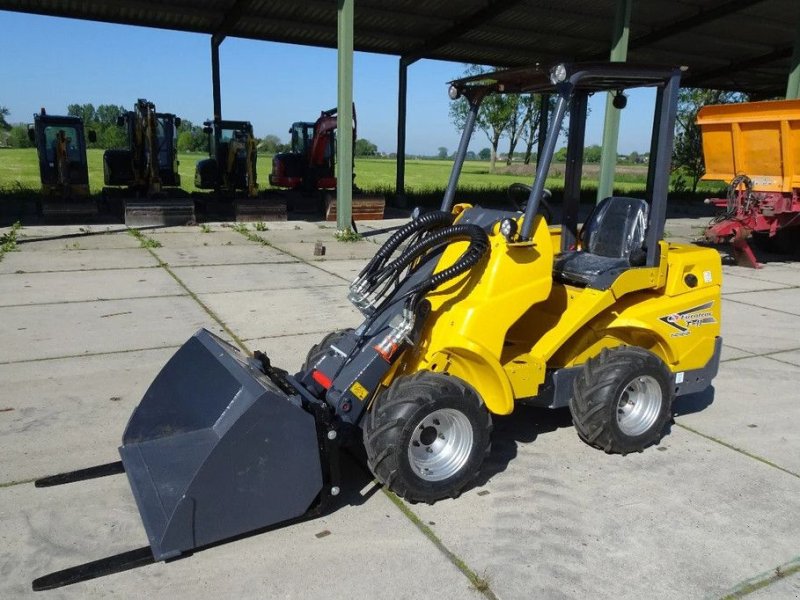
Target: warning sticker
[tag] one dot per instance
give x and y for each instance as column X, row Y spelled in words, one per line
column 359, row 391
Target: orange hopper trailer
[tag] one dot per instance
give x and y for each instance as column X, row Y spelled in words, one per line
column 755, row 146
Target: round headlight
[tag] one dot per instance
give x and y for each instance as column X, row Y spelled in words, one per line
column 558, row 74
column 508, row 227
column 454, row 93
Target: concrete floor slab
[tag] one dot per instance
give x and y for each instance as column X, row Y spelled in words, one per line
column 738, row 412
column 102, row 241
column 73, row 286
column 75, row 260
column 731, row 353
column 787, row 300
column 42, row 530
column 776, row 273
column 792, row 357
column 563, row 520
column 344, row 269
column 334, row 250
column 734, row 284
column 194, row 239
column 46, row 231
column 287, row 351
column 758, row 330
column 50, row 331
column 268, row 276
column 70, row 413
column 221, row 255
column 284, row 312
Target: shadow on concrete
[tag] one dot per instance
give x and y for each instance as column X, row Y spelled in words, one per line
column 523, row 426
column 693, row 403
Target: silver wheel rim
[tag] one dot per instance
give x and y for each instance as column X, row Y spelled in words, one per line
column 639, row 405
column 440, row 444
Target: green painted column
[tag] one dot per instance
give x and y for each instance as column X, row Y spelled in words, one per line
column 344, row 120
column 619, row 53
column 793, row 85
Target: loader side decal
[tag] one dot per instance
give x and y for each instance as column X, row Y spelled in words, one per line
column 691, row 317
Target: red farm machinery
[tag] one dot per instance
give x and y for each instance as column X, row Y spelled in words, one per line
column 755, row 146
column 308, row 171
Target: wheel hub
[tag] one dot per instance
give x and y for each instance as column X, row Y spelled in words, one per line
column 639, row 405
column 440, row 444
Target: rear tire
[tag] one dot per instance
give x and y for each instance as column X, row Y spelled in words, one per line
column 426, row 436
column 622, row 400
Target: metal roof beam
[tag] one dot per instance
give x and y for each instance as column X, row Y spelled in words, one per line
column 229, row 21
column 697, row 79
column 492, row 9
column 701, row 17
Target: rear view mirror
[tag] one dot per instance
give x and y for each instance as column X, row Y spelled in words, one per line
column 120, row 121
column 31, row 134
column 207, row 130
column 92, row 136
column 177, row 121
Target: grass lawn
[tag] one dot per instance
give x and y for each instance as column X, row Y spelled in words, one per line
column 19, row 171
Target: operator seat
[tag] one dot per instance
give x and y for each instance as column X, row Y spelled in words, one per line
column 612, row 241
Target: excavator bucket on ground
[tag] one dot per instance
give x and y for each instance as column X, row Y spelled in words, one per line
column 215, row 449
column 218, row 447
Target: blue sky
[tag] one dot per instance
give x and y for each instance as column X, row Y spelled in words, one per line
column 53, row 62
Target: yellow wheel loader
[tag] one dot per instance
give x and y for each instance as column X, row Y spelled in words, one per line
column 467, row 312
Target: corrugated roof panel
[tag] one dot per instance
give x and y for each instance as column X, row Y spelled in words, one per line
column 508, row 33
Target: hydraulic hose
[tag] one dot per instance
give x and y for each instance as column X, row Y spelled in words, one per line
column 478, row 247
column 427, row 221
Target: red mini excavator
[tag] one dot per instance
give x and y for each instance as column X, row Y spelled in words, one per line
column 308, row 171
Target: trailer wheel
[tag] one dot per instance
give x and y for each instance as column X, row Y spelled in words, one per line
column 426, row 436
column 622, row 400
column 317, row 351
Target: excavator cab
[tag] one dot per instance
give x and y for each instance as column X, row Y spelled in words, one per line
column 63, row 168
column 311, row 163
column 231, row 165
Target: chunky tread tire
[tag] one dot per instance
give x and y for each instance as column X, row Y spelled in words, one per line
column 389, row 425
column 317, row 351
column 596, row 392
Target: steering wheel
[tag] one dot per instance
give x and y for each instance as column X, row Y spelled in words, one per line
column 518, row 194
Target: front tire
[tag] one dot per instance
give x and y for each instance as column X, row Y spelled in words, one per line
column 319, row 350
column 622, row 400
column 426, row 436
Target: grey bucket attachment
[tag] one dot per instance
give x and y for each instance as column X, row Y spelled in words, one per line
column 215, row 450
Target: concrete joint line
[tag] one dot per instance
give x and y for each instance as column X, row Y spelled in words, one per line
column 778, row 310
column 762, row 580
column 760, row 459
column 205, row 308
column 769, row 355
column 258, row 239
column 93, row 300
column 479, row 583
column 88, row 354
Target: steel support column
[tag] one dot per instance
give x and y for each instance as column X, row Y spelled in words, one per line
column 344, row 119
column 402, row 96
column 793, row 83
column 215, row 86
column 619, row 53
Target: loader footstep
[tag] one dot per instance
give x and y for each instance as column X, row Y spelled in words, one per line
column 97, row 568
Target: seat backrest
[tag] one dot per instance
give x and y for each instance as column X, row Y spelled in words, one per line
column 616, row 227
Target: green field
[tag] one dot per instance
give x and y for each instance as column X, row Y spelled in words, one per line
column 19, row 172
